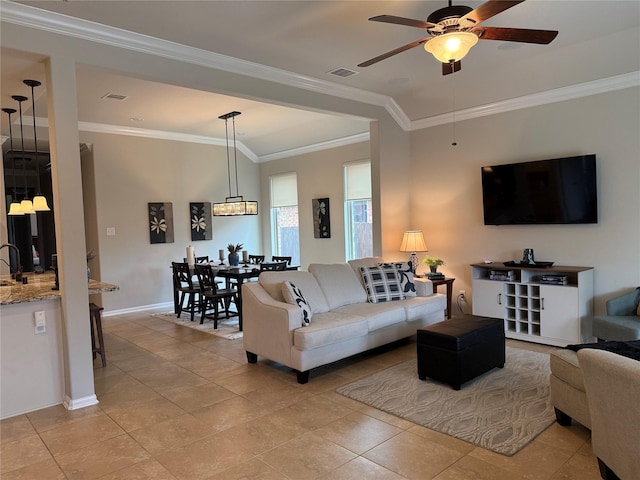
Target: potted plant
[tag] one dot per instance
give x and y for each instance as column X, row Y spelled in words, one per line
column 234, row 250
column 433, row 263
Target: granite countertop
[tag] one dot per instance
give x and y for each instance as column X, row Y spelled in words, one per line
column 39, row 288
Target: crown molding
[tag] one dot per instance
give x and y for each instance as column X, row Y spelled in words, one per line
column 219, row 142
column 316, row 147
column 604, row 85
column 33, row 17
column 163, row 135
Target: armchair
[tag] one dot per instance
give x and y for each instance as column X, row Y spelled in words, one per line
column 622, row 321
column 613, row 387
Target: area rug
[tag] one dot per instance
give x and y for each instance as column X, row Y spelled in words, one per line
column 227, row 327
column 502, row 410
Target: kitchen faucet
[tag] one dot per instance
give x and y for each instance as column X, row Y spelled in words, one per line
column 18, row 274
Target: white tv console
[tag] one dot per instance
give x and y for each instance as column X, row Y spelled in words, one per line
column 534, row 311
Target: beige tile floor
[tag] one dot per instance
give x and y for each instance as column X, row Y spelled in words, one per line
column 176, row 403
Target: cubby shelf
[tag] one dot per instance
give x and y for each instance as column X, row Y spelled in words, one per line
column 553, row 314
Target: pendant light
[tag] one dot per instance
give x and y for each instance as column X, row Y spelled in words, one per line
column 233, row 206
column 39, row 201
column 26, row 206
column 14, row 208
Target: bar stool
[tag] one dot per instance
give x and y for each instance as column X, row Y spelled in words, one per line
column 96, row 322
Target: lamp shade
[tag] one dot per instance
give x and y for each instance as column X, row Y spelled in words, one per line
column 413, row 241
column 40, row 204
column 451, row 47
column 14, row 209
column 26, row 206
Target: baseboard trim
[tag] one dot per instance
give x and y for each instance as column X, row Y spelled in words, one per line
column 76, row 403
column 140, row 308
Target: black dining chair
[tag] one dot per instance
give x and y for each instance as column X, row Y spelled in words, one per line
column 256, row 259
column 281, row 259
column 185, row 287
column 212, row 296
column 273, row 267
column 203, row 259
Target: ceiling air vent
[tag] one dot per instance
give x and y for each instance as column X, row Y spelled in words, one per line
column 342, row 72
column 114, row 96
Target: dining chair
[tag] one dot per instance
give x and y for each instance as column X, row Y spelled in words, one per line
column 203, row 259
column 184, row 285
column 281, row 259
column 273, row 267
column 212, row 296
column 256, row 259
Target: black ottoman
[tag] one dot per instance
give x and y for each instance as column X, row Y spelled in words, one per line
column 458, row 350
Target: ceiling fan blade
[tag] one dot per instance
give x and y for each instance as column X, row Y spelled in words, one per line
column 524, row 35
column 488, row 10
column 409, row 22
column 384, row 56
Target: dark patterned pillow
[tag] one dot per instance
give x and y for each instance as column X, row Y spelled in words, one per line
column 293, row 295
column 382, row 283
column 406, row 278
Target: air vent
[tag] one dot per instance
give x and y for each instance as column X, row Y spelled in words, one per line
column 342, row 72
column 114, row 96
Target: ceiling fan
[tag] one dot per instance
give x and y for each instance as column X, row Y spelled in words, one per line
column 454, row 29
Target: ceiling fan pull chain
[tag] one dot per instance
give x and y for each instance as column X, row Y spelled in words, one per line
column 453, row 90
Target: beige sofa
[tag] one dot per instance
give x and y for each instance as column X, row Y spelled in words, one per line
column 343, row 322
column 613, row 389
column 567, row 390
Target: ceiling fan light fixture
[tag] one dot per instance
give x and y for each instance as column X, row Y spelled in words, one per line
column 451, row 47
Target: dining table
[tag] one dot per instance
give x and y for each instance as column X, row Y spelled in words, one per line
column 240, row 274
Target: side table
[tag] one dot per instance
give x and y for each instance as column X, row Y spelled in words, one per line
column 449, row 283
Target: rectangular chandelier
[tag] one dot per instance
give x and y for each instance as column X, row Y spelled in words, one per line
column 235, row 206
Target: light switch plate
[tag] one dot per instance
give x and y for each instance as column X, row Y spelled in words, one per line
column 111, row 231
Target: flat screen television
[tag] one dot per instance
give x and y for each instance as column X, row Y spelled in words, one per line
column 543, row 192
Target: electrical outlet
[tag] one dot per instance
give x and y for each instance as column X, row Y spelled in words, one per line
column 40, row 322
column 462, row 294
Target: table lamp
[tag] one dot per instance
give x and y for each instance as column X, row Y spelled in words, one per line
column 413, row 241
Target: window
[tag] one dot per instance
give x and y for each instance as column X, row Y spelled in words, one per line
column 285, row 237
column 357, row 210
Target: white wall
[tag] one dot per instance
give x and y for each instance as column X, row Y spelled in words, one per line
column 447, row 195
column 128, row 173
column 31, row 365
column 320, row 175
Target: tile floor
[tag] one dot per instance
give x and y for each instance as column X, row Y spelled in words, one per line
column 176, row 403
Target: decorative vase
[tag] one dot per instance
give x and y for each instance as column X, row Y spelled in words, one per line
column 234, row 259
column 433, row 268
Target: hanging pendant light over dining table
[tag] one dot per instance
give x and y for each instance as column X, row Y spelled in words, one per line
column 233, row 205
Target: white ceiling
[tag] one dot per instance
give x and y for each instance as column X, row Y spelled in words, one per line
column 597, row 40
